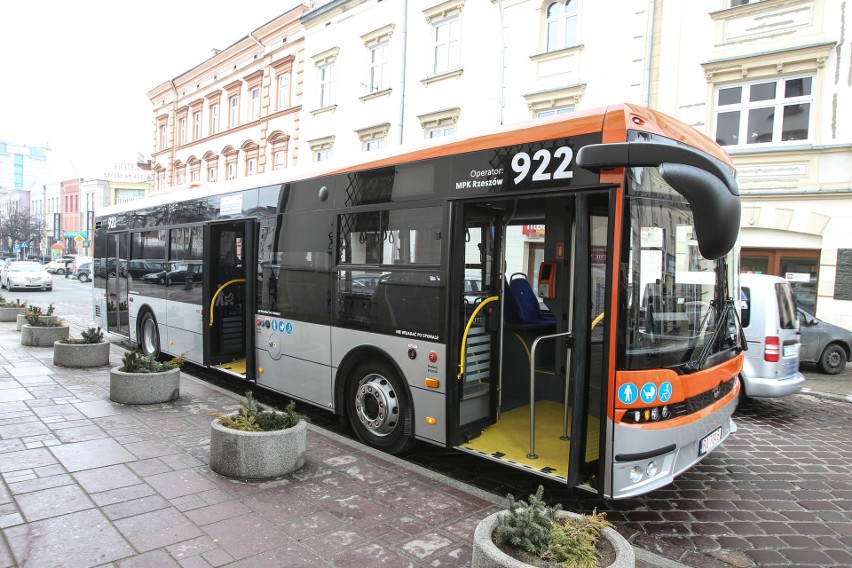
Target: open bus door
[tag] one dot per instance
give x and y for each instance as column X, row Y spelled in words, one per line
column 531, row 382
column 229, row 285
column 114, row 270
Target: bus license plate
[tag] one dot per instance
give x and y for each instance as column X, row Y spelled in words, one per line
column 710, row 441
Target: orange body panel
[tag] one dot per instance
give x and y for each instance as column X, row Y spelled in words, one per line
column 683, row 387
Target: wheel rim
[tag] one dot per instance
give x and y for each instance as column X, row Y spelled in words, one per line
column 377, row 405
column 149, row 336
column 833, row 359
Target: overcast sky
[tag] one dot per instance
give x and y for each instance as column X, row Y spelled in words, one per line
column 74, row 73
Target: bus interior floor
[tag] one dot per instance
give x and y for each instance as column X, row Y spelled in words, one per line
column 509, row 439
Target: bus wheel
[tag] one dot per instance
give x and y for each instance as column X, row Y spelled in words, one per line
column 377, row 405
column 149, row 336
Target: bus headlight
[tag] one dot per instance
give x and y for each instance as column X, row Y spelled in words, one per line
column 636, row 474
column 655, row 413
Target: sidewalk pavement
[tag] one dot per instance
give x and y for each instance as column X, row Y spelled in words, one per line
column 87, row 482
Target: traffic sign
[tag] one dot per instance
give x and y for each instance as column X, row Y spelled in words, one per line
column 25, row 244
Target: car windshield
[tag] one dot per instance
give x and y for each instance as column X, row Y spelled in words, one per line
column 26, row 267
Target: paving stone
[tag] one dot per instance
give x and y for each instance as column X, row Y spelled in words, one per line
column 79, row 539
column 156, row 529
column 247, row 535
column 91, row 454
column 53, row 502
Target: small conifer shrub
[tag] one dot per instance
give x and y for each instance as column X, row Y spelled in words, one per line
column 527, row 525
column 253, row 417
column 91, row 335
column 135, row 362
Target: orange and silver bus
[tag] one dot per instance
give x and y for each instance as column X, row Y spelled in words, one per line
column 554, row 296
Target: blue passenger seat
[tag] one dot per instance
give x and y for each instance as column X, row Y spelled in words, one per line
column 521, row 308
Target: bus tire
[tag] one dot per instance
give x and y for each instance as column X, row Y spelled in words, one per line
column 149, row 335
column 378, row 407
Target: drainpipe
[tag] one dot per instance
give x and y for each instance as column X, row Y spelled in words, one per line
column 404, row 33
column 649, row 49
column 502, row 73
column 173, row 145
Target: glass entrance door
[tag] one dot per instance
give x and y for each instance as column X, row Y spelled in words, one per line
column 228, row 308
column 531, row 382
column 115, row 270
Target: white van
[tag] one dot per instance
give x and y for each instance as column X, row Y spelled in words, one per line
column 771, row 328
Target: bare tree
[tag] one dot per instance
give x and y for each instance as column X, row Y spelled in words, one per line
column 18, row 225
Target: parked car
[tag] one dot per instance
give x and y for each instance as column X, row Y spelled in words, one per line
column 771, row 328
column 59, row 266
column 84, row 271
column 827, row 345
column 25, row 274
column 178, row 274
column 3, row 264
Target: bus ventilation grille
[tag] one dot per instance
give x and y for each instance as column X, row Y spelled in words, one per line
column 703, row 400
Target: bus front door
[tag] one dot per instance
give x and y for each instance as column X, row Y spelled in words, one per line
column 115, row 270
column 530, row 283
column 229, row 283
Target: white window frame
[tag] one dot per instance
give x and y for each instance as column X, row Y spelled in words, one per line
column 182, row 131
column 554, row 111
column 214, row 118
column 233, row 111
column 440, row 123
column 254, row 103
column 278, row 160
column 283, row 90
column 374, row 144
column 196, row 125
column 164, row 136
column 325, row 84
column 251, row 166
column 231, row 170
column 321, row 148
column 560, row 24
column 778, row 104
column 441, row 131
column 211, row 174
column 374, row 137
column 378, row 67
column 446, row 48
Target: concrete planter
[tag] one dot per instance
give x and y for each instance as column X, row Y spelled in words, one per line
column 11, row 314
column 487, row 555
column 144, row 388
column 81, row 355
column 39, row 336
column 22, row 320
column 257, row 455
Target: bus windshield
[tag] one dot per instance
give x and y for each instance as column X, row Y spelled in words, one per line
column 672, row 302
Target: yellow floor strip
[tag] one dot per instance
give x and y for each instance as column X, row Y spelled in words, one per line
column 508, row 441
column 237, row 367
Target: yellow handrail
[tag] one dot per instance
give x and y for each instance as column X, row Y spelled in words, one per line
column 222, row 287
column 598, row 319
column 467, row 329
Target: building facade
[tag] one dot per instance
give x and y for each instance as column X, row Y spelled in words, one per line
column 236, row 114
column 770, row 80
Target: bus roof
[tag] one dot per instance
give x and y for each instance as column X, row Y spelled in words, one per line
column 613, row 121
